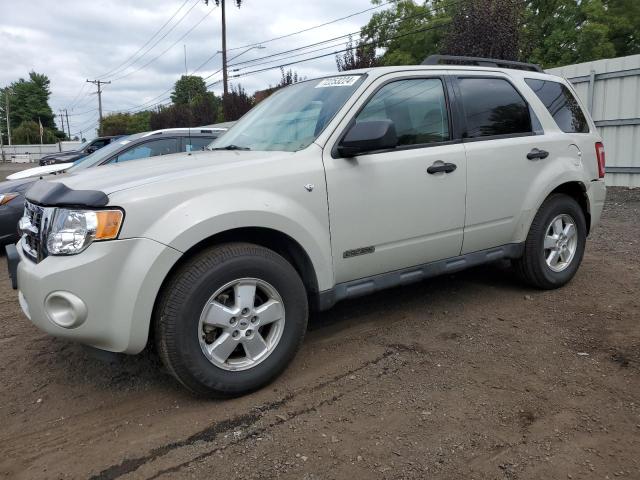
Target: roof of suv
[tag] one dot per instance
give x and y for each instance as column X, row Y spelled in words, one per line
column 466, row 64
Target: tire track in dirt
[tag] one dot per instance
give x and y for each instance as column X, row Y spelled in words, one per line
column 246, row 422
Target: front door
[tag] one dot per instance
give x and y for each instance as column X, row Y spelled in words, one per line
column 386, row 210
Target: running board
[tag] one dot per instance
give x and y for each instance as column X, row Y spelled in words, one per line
column 405, row 276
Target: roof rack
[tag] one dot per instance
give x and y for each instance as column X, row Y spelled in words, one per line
column 480, row 62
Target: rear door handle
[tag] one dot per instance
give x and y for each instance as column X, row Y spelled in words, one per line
column 441, row 167
column 537, row 154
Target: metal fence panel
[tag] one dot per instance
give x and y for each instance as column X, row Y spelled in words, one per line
column 611, row 90
column 35, row 152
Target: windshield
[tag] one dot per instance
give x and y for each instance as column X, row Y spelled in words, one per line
column 292, row 118
column 99, row 155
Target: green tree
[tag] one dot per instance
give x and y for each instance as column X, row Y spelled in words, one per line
column 28, row 102
column 188, row 89
column 28, row 133
column 407, row 31
column 126, row 123
column 362, row 55
column 485, row 28
column 562, row 32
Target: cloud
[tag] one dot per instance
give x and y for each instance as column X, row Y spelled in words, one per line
column 72, row 41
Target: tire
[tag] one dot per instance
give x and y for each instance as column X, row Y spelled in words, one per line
column 186, row 342
column 533, row 267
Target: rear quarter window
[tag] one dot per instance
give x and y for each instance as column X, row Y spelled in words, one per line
column 561, row 103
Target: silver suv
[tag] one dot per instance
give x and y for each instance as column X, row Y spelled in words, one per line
column 330, row 189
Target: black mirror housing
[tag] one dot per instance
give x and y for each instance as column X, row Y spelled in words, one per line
column 368, row 136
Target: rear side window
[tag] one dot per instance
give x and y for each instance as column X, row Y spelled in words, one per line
column 492, row 107
column 417, row 108
column 562, row 105
column 195, row 144
column 153, row 148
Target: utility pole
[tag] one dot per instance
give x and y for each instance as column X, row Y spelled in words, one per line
column 66, row 113
column 99, row 83
column 224, row 51
column 6, row 109
column 1, row 145
column 185, row 60
column 62, row 120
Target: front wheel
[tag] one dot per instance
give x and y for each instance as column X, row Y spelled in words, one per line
column 231, row 319
column 555, row 244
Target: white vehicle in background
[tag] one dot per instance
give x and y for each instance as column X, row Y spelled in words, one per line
column 39, row 171
column 329, row 189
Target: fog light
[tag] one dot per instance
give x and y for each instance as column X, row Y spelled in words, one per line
column 65, row 309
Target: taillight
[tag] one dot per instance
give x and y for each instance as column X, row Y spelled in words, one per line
column 600, row 157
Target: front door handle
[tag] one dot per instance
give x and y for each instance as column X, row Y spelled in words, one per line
column 537, row 154
column 439, row 167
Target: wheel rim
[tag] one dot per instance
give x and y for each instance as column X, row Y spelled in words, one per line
column 560, row 242
column 241, row 324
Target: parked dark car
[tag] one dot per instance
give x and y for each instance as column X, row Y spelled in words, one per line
column 11, row 207
column 87, row 148
column 123, row 149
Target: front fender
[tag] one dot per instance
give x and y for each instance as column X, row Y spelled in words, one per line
column 203, row 216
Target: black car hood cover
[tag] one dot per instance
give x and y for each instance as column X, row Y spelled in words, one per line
column 56, row 194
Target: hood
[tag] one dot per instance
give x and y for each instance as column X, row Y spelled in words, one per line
column 39, row 171
column 116, row 177
column 17, row 186
column 61, row 154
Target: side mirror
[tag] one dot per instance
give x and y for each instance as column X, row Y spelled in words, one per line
column 92, row 149
column 368, row 136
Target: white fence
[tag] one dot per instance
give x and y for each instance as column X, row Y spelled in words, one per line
column 33, row 153
column 611, row 91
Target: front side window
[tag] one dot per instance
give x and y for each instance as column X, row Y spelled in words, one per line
column 417, row 108
column 493, row 107
column 292, row 118
column 562, row 105
column 153, row 148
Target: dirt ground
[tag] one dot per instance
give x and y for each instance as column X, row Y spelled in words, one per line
column 468, row 376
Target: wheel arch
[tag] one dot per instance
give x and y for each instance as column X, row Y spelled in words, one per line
column 578, row 191
column 275, row 240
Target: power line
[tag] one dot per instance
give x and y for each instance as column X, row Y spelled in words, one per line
column 166, row 50
column 239, row 75
column 312, row 28
column 120, row 70
column 147, row 42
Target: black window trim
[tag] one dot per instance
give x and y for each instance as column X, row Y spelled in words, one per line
column 572, row 92
column 462, row 115
column 447, row 94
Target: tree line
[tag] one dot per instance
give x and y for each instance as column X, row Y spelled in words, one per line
column 548, row 32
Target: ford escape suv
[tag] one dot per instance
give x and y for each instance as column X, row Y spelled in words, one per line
column 329, row 189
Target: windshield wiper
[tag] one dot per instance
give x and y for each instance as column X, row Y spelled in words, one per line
column 231, row 147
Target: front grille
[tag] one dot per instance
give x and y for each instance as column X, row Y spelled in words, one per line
column 33, row 225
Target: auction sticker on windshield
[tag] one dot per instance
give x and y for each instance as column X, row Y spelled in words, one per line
column 343, row 81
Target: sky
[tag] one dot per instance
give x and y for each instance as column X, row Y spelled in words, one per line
column 72, row 41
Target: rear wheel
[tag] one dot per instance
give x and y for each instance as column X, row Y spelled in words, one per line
column 231, row 319
column 555, row 244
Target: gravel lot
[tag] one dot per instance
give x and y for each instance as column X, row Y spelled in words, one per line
column 465, row 376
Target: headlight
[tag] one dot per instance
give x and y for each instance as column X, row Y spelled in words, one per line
column 7, row 197
column 72, row 231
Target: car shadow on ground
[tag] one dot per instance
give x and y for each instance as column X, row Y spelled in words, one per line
column 145, row 370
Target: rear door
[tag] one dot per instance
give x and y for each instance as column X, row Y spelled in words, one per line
column 507, row 152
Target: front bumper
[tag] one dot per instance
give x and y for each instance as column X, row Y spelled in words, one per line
column 102, row 297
